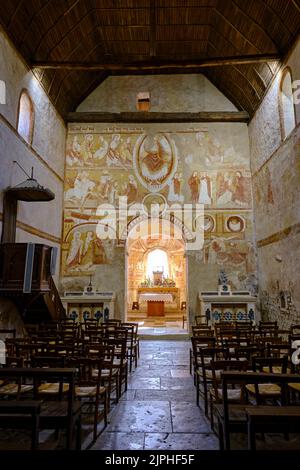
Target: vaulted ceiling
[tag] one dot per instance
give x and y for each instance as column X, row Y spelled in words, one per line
column 73, row 45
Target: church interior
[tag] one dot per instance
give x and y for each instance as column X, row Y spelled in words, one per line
column 150, row 224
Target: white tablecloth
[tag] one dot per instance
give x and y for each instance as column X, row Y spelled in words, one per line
column 153, row 297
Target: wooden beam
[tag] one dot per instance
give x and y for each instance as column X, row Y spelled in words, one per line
column 156, row 64
column 141, row 117
column 153, row 28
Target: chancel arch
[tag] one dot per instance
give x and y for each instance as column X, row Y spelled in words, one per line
column 156, row 272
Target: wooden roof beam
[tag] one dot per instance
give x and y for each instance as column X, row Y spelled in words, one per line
column 142, row 117
column 191, row 64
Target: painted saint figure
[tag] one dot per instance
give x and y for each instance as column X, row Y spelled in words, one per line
column 131, row 190
column 240, row 189
column 205, row 190
column 174, row 194
column 75, row 252
column 194, row 182
column 154, row 164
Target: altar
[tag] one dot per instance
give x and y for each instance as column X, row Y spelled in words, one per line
column 157, row 297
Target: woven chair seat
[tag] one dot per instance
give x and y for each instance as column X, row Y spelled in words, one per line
column 294, row 386
column 82, row 392
column 233, row 395
column 13, row 389
column 265, row 389
column 52, row 388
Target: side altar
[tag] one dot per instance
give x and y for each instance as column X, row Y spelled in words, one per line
column 228, row 306
column 89, row 304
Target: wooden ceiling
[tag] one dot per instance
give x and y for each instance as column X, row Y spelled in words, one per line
column 73, row 45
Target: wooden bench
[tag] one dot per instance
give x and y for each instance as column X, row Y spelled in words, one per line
column 285, row 419
column 63, row 414
column 16, row 414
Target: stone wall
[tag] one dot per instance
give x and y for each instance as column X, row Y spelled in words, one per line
column 275, row 165
column 36, row 222
column 168, row 93
column 207, row 163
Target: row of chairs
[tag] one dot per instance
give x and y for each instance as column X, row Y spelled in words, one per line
column 242, row 349
column 99, row 360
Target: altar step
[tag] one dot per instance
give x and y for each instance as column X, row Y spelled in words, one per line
column 163, row 333
column 168, row 316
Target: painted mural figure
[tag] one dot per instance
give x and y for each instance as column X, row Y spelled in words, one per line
column 99, row 256
column 153, row 164
column 233, row 187
column 205, row 190
column 75, row 252
column 88, row 147
column 102, row 150
column 113, row 194
column 87, row 250
column 131, row 190
column 224, row 194
column 105, row 186
column 83, row 254
column 210, row 148
column 118, row 153
column 81, row 189
column 194, row 183
column 174, row 194
column 113, row 156
column 240, row 193
column 74, row 154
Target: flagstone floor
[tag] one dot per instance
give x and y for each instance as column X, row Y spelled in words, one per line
column 159, row 409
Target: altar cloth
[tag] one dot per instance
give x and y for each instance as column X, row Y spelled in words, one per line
column 156, row 297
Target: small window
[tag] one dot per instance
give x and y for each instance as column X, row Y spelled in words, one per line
column 143, row 101
column 25, row 117
column 287, row 111
column 157, row 261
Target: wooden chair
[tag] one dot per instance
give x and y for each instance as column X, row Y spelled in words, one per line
column 15, row 414
column 272, row 365
column 232, row 418
column 247, row 352
column 234, row 394
column 64, row 414
column 132, row 343
column 200, row 331
column 200, row 342
column 89, row 388
column 203, row 371
column 263, row 419
column 201, row 320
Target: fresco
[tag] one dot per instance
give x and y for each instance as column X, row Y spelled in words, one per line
column 170, row 165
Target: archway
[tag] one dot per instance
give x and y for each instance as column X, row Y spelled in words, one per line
column 156, row 272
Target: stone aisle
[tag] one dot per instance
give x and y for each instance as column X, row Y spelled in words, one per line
column 159, row 410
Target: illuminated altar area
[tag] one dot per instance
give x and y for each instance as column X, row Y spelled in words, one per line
column 156, row 279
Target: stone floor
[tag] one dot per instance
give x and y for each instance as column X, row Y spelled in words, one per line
column 159, row 410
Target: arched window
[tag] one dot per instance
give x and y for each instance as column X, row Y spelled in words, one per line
column 25, row 117
column 287, row 111
column 157, row 261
